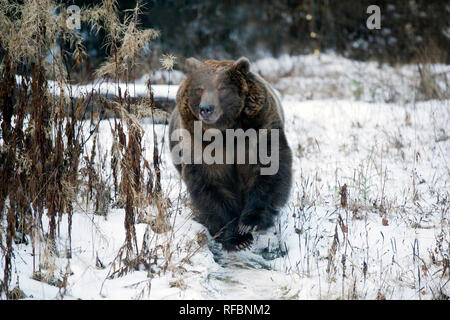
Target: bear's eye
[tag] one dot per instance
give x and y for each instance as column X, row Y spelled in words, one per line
column 198, row 91
column 224, row 90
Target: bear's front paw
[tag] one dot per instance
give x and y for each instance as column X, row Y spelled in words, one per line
column 237, row 242
column 255, row 220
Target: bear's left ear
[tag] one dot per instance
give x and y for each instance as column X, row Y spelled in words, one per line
column 242, row 65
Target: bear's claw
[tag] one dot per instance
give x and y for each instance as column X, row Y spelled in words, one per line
column 238, row 242
column 255, row 220
column 243, row 229
column 244, row 245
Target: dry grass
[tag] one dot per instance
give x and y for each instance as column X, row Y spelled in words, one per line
column 46, row 169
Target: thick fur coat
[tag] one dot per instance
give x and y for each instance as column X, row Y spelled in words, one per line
column 232, row 200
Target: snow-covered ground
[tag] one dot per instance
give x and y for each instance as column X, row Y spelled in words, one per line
column 391, row 241
column 324, row 76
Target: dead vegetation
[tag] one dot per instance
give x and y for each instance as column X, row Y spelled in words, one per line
column 48, row 164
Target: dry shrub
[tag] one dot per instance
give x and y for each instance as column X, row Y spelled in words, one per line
column 42, row 131
column 432, row 83
column 40, row 159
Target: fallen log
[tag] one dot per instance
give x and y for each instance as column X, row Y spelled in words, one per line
column 92, row 100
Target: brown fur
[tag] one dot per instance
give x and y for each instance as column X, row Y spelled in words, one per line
column 231, row 199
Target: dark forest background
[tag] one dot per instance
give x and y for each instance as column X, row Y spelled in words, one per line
column 256, row 28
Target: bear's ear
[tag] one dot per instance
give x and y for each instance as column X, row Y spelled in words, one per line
column 192, row 64
column 242, row 65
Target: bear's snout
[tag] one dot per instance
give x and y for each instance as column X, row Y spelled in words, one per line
column 206, row 112
column 206, row 109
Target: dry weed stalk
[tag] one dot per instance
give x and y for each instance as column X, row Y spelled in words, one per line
column 42, row 135
column 40, row 155
column 138, row 182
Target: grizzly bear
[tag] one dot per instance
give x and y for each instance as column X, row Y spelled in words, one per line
column 231, row 199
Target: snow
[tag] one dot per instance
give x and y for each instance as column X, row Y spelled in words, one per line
column 394, row 158
column 329, row 75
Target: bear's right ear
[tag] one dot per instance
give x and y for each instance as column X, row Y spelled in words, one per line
column 192, row 64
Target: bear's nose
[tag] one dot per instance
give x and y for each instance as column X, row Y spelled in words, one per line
column 206, row 109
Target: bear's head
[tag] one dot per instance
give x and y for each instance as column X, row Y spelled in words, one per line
column 214, row 91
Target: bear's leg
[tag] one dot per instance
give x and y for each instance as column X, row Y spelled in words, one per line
column 218, row 204
column 268, row 194
column 259, row 213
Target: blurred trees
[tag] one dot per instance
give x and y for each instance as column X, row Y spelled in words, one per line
column 227, row 29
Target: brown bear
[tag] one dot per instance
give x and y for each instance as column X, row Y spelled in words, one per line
column 232, row 199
